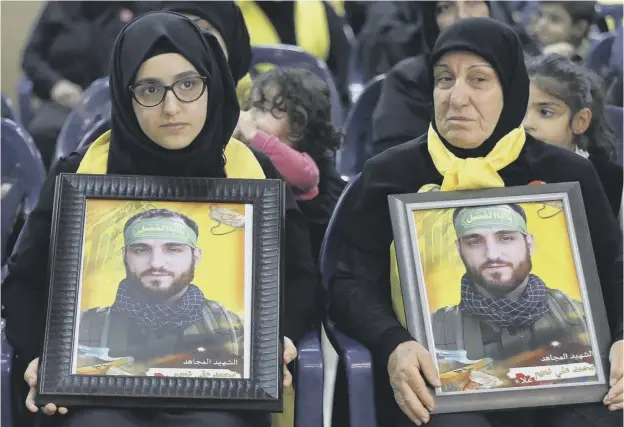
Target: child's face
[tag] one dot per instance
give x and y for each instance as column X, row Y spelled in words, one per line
column 268, row 119
column 554, row 24
column 548, row 118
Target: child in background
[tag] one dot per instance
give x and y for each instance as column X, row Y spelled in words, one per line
column 567, row 108
column 288, row 118
column 562, row 27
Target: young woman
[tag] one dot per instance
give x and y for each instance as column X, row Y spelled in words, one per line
column 566, row 108
column 174, row 109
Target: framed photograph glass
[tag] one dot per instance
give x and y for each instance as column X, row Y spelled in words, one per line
column 501, row 287
column 165, row 291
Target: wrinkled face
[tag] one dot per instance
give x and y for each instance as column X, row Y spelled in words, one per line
column 468, row 99
column 268, row 118
column 450, row 12
column 162, row 268
column 554, row 24
column 548, row 118
column 496, row 259
column 172, row 124
column 207, row 26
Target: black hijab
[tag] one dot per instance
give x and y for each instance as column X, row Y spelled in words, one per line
column 228, row 20
column 131, row 151
column 500, row 47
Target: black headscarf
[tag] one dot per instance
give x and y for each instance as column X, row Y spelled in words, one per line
column 131, row 151
column 500, row 47
column 228, row 20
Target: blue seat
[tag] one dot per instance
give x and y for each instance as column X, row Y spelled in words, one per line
column 24, row 96
column 356, row 358
column 358, row 130
column 23, row 162
column 23, row 175
column 615, row 115
column 598, row 58
column 8, row 111
column 101, row 125
column 355, row 72
column 6, row 417
column 94, row 104
column 308, row 378
column 295, row 57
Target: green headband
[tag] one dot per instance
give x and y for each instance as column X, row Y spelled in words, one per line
column 498, row 216
column 173, row 230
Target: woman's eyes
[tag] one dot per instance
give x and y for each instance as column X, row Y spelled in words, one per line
column 547, row 114
column 148, row 89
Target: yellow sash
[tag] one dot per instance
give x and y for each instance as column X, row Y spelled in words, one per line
column 460, row 174
column 241, row 164
column 311, row 27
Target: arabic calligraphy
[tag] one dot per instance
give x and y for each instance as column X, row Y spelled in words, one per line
column 231, row 362
column 565, row 356
column 169, row 228
column 502, row 216
column 531, row 375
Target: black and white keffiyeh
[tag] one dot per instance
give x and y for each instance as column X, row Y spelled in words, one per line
column 160, row 317
column 503, row 311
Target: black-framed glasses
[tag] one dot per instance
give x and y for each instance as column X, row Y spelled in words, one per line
column 188, row 89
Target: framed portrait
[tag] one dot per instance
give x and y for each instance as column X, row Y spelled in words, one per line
column 165, row 292
column 501, row 287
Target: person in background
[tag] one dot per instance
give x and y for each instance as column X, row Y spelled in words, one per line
column 567, row 108
column 563, row 26
column 68, row 49
column 403, row 111
column 289, row 119
column 397, row 30
column 312, row 25
column 222, row 19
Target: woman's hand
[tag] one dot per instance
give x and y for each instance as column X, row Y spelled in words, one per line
column 30, row 376
column 290, row 354
column 405, row 365
column 615, row 398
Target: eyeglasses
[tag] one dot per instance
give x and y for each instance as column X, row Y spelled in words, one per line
column 188, row 89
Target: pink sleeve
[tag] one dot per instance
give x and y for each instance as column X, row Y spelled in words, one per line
column 298, row 169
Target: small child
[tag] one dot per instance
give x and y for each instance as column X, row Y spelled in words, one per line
column 288, row 118
column 562, row 27
column 567, row 108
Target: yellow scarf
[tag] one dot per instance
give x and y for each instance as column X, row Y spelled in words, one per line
column 460, row 174
column 479, row 172
column 241, row 164
column 311, row 27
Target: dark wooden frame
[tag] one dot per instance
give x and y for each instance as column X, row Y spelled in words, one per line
column 262, row 391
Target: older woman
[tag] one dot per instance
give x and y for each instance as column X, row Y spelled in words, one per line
column 475, row 140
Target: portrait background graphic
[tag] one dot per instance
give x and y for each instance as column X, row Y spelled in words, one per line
column 552, row 258
column 219, row 274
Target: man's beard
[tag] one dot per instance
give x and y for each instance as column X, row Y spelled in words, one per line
column 153, row 292
column 520, row 272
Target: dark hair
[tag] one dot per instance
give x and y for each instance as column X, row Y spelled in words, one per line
column 578, row 11
column 516, row 207
column 163, row 213
column 305, row 98
column 579, row 88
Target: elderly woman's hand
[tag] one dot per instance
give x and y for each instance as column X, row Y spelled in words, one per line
column 290, row 354
column 615, row 398
column 405, row 365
